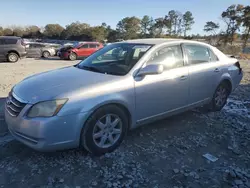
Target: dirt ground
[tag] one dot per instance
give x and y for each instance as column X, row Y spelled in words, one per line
column 167, row 153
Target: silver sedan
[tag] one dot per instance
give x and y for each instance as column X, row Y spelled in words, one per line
column 120, row 87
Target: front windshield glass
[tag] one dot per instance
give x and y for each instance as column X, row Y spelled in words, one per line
column 116, row 59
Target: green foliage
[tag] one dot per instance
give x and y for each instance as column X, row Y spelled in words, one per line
column 233, row 19
column 246, row 24
column 18, row 31
column 98, row 33
column 7, row 32
column 211, row 27
column 188, row 21
column 76, row 30
column 1, row 31
column 129, row 27
column 53, row 31
column 147, row 24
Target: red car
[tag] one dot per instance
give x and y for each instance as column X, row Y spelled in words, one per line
column 82, row 50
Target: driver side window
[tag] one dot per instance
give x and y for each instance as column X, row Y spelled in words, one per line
column 84, row 46
column 170, row 57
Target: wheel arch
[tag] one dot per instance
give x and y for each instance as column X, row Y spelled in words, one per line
column 228, row 82
column 119, row 104
column 46, row 51
column 116, row 103
column 13, row 51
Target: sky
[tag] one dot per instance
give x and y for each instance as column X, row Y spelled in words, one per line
column 94, row 12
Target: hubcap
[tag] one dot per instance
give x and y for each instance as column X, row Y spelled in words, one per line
column 107, row 131
column 220, row 96
column 46, row 54
column 12, row 58
column 72, row 56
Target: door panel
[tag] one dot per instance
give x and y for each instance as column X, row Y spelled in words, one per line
column 83, row 50
column 204, row 72
column 203, row 80
column 157, row 94
column 33, row 52
column 2, row 57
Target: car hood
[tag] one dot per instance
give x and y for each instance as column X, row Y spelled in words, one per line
column 49, row 85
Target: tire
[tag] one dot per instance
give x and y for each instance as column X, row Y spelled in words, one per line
column 45, row 54
column 96, row 134
column 72, row 56
column 12, row 57
column 220, row 97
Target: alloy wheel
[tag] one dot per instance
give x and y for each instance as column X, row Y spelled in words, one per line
column 220, row 96
column 13, row 58
column 107, row 131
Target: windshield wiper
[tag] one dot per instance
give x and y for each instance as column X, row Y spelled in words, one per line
column 94, row 69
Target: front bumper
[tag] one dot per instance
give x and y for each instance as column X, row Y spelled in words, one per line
column 23, row 54
column 46, row 134
column 64, row 55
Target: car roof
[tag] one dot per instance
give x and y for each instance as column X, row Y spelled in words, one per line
column 9, row 37
column 158, row 41
column 90, row 42
column 150, row 41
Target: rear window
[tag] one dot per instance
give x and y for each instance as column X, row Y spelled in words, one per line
column 10, row 41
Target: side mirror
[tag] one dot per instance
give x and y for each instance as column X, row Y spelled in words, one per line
column 151, row 69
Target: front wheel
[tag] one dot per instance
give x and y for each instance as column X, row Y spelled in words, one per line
column 220, row 97
column 46, row 54
column 12, row 57
column 104, row 130
column 72, row 56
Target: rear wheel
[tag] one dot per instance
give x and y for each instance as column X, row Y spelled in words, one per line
column 12, row 57
column 72, row 56
column 104, row 130
column 220, row 97
column 46, row 54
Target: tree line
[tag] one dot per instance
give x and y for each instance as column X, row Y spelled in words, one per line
column 174, row 24
column 235, row 17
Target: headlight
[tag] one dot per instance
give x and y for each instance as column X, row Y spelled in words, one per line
column 46, row 108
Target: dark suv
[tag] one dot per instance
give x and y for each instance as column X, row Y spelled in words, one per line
column 12, row 48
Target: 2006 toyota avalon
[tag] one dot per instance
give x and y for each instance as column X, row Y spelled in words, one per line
column 126, row 84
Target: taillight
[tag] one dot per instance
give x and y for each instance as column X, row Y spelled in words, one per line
column 22, row 43
column 237, row 64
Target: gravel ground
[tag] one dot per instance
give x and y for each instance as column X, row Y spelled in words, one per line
column 167, row 153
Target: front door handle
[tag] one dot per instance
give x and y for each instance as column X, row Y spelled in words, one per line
column 183, row 77
column 216, row 70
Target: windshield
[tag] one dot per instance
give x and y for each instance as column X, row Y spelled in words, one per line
column 116, row 59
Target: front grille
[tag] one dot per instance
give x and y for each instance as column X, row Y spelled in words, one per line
column 14, row 106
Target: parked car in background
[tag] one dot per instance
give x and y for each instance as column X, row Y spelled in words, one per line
column 81, row 50
column 40, row 50
column 94, row 103
column 56, row 47
column 12, row 48
column 65, row 47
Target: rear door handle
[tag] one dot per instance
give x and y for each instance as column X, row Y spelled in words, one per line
column 216, row 70
column 183, row 77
